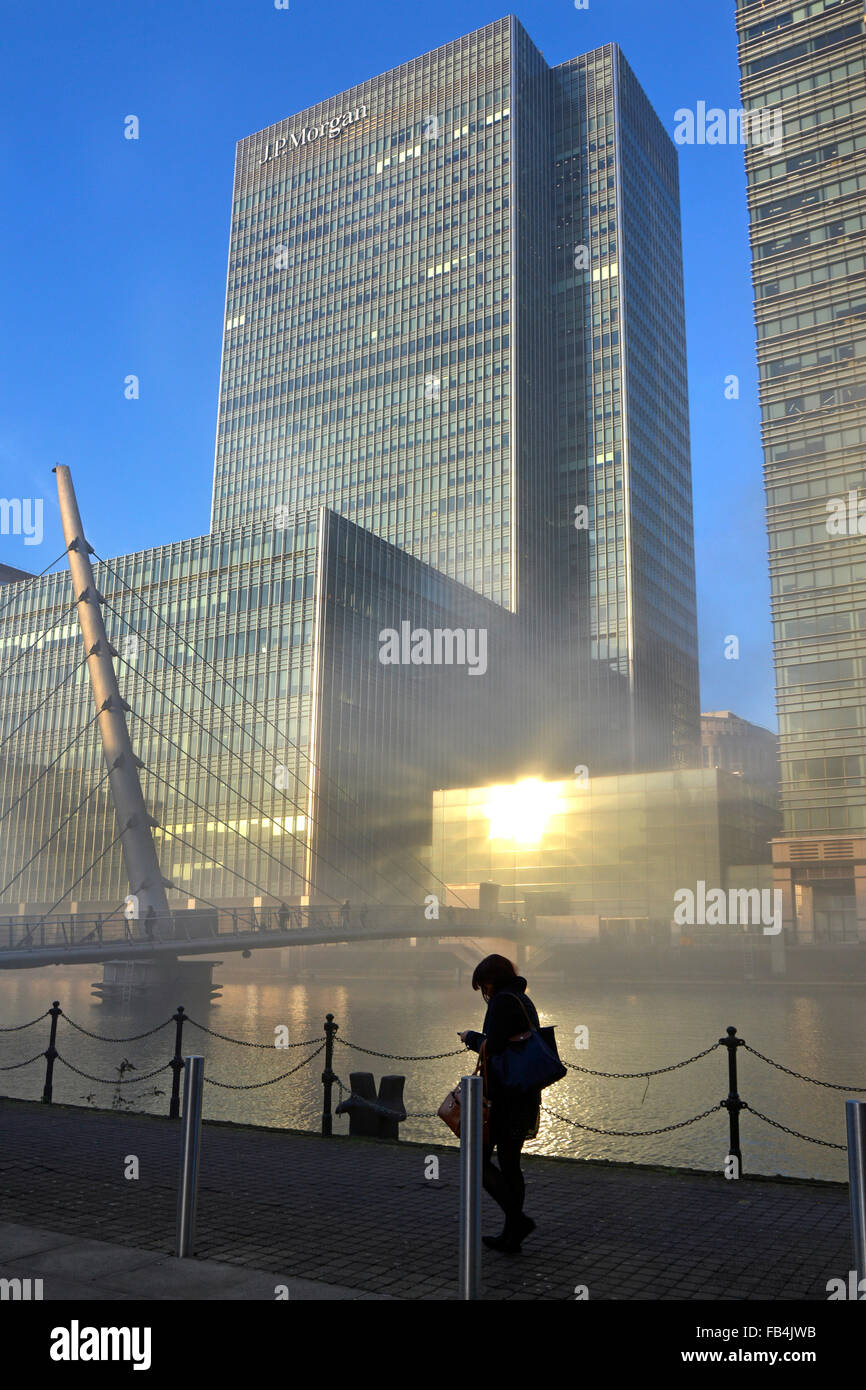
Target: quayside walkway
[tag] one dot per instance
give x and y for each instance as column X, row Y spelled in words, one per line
column 361, row 1216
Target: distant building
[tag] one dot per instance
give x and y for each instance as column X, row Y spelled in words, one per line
column 807, row 206
column 736, row 745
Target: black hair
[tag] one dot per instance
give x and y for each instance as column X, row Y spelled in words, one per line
column 492, row 973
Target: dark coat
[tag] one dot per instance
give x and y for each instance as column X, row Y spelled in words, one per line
column 503, row 1020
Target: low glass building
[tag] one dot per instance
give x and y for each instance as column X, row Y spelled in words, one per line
column 281, row 754
column 614, row 848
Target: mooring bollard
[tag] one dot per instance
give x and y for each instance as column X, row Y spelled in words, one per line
column 176, row 1065
column 328, row 1077
column 50, row 1053
column 190, row 1154
column 471, row 1103
column 855, row 1116
column 733, row 1104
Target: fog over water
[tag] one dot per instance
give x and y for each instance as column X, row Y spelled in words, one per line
column 631, row 1028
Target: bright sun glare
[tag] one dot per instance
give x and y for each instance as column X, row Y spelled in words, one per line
column 522, row 811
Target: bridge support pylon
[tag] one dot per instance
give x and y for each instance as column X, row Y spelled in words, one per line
column 146, row 882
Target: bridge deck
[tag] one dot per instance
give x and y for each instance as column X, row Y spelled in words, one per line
column 31, row 942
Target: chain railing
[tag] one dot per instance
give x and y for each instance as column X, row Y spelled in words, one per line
column 324, row 1042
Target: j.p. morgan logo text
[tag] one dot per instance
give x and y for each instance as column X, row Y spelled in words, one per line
column 333, row 126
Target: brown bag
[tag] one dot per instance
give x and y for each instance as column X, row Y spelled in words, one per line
column 450, row 1109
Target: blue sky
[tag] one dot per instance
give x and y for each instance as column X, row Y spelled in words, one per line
column 114, row 255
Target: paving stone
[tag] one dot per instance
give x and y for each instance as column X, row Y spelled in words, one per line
column 18, row 1240
column 85, row 1260
column 351, row 1214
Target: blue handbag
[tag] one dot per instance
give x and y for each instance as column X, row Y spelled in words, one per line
column 530, row 1062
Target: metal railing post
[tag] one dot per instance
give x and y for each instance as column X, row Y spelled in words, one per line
column 328, row 1077
column 50, row 1053
column 855, row 1116
column 733, row 1104
column 176, row 1065
column 190, row 1155
column 471, row 1103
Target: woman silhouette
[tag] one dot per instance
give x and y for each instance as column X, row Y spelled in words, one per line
column 510, row 1013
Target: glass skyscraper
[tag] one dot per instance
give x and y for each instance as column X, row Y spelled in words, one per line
column 807, row 204
column 622, row 425
column 411, row 338
column 432, row 411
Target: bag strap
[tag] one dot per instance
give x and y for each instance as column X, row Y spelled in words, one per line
column 482, row 1066
column 523, row 1007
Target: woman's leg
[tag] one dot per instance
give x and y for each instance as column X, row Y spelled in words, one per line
column 508, row 1151
column 505, row 1184
column 495, row 1182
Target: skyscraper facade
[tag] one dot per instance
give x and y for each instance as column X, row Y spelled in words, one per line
column 622, row 424
column 375, row 303
column 807, row 206
column 412, row 339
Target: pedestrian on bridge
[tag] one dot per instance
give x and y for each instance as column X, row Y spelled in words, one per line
column 513, row 1118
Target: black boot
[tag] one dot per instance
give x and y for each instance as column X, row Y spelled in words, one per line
column 517, row 1228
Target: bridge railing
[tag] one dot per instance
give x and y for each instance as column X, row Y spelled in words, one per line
column 75, row 930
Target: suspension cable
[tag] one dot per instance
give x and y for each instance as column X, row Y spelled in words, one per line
column 64, row 612
column 211, row 816
column 241, row 836
column 189, row 845
column 204, row 767
column 20, row 585
column 49, row 766
column 283, row 737
column 81, row 877
column 297, row 805
column 65, row 821
column 51, row 693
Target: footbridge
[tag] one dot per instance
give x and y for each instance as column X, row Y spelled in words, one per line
column 27, row 943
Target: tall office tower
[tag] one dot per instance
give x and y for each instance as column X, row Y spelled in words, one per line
column 805, row 66
column 622, row 405
column 409, row 342
column 387, row 349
